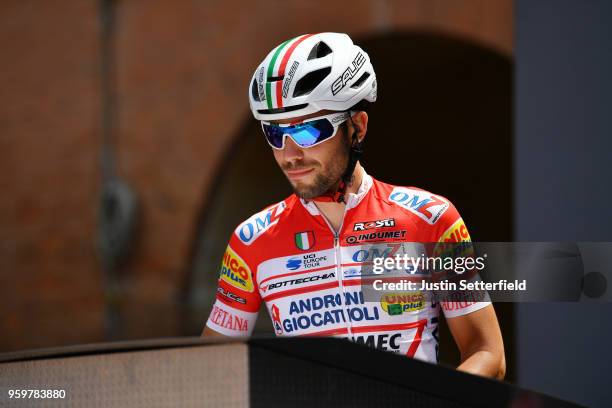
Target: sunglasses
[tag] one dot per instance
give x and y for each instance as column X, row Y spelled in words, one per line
column 308, row 133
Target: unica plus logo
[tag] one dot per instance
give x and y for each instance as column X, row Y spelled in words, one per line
column 404, row 302
column 456, row 233
column 235, row 271
column 455, row 241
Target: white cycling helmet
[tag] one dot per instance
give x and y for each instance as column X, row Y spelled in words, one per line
column 310, row 73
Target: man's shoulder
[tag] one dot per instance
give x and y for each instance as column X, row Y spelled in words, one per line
column 425, row 205
column 264, row 221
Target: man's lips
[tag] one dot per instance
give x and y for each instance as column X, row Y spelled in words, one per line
column 294, row 174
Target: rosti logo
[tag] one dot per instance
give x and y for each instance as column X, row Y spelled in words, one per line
column 425, row 205
column 456, row 233
column 362, row 226
column 235, row 271
column 252, row 228
column 405, row 302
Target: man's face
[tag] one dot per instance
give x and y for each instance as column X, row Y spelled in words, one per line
column 315, row 170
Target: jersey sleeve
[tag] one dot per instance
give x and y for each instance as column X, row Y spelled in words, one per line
column 451, row 229
column 237, row 302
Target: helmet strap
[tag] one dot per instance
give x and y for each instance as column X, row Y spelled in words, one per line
column 355, row 153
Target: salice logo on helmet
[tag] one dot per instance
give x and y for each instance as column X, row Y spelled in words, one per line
column 348, row 74
column 260, row 85
column 289, row 78
column 276, row 321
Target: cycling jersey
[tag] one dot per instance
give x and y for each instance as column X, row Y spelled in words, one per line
column 289, row 257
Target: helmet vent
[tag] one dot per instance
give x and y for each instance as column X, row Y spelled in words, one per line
column 361, row 80
column 254, row 92
column 319, row 51
column 310, row 81
column 282, row 110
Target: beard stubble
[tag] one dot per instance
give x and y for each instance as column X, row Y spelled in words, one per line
column 327, row 180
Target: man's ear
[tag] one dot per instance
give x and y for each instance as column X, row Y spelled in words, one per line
column 360, row 120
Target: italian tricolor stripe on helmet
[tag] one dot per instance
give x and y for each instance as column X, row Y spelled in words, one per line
column 281, row 69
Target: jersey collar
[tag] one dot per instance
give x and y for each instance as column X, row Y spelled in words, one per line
column 352, row 199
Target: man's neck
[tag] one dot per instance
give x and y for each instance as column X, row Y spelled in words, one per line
column 356, row 180
column 333, row 211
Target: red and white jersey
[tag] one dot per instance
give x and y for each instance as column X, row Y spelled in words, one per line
column 309, row 276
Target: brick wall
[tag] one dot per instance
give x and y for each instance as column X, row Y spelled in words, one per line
column 182, row 74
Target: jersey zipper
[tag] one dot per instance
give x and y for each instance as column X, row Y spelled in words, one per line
column 338, row 256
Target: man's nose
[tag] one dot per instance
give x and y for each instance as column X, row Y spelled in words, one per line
column 292, row 151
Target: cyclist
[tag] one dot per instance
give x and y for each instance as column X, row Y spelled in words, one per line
column 304, row 256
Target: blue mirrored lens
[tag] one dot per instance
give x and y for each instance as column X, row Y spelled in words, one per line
column 304, row 135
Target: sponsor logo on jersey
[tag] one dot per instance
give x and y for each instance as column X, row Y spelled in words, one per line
column 454, row 306
column 229, row 296
column 367, row 254
column 421, row 203
column 228, row 320
column 328, row 310
column 235, row 271
column 304, row 240
column 456, row 233
column 376, row 236
column 294, row 264
column 289, row 78
column 349, row 273
column 386, row 341
column 403, row 302
column 455, row 241
column 276, row 320
column 348, row 74
column 298, row 281
column 259, row 223
column 308, row 261
column 368, row 225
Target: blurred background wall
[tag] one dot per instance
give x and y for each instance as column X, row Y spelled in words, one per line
column 563, row 153
column 184, row 140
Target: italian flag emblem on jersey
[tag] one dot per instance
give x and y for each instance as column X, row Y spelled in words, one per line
column 304, row 240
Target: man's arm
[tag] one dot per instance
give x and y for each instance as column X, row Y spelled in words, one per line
column 237, row 299
column 480, row 342
column 208, row 332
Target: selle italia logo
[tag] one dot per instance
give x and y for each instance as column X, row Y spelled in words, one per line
column 305, row 240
